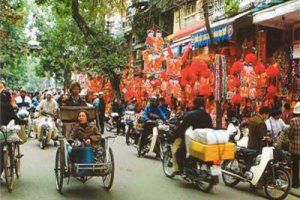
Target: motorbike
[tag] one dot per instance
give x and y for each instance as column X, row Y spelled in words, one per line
column 47, row 127
column 24, row 114
column 114, row 121
column 239, row 133
column 130, row 121
column 267, row 170
column 203, row 175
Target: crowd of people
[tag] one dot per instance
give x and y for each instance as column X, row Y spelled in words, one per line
column 266, row 124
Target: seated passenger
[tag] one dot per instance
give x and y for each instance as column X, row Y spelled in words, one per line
column 75, row 99
column 84, row 131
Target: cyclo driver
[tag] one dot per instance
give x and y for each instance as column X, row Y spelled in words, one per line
column 151, row 113
column 197, row 118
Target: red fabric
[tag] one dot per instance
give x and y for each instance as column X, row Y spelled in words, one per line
column 236, row 99
column 259, row 68
column 251, row 58
column 258, row 93
column 186, row 53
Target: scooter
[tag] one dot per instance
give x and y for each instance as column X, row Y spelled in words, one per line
column 23, row 113
column 47, row 128
column 114, row 121
column 268, row 170
column 130, row 121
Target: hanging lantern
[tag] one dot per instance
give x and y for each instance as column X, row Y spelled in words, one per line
column 259, row 68
column 236, row 99
column 251, row 58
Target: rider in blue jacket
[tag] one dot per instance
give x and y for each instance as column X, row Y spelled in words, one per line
column 151, row 113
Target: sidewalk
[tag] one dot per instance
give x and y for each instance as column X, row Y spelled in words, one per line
column 295, row 192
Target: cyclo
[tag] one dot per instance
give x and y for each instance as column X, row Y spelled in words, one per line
column 82, row 163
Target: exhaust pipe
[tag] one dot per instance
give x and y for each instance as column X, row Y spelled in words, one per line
column 234, row 175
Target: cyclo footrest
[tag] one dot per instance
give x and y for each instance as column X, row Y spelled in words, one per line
column 92, row 169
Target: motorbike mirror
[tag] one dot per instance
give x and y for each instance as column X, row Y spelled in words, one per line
column 59, row 123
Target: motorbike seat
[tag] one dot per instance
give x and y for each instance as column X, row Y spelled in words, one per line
column 247, row 153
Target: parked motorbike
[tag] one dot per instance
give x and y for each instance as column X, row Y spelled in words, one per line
column 203, row 175
column 267, row 170
column 114, row 121
column 239, row 133
column 130, row 121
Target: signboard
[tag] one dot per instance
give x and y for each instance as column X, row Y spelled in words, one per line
column 221, row 33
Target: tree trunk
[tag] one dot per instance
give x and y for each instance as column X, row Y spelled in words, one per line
column 67, row 77
column 115, row 84
column 214, row 44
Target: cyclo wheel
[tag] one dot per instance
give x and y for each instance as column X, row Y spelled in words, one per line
column 59, row 168
column 8, row 165
column 17, row 160
column 278, row 184
column 109, row 178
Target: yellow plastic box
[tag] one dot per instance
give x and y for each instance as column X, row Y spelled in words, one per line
column 211, row 152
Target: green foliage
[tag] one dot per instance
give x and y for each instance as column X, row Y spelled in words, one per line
column 231, row 7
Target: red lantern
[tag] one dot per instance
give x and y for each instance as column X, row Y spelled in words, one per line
column 258, row 93
column 272, row 90
column 251, row 58
column 205, row 90
column 236, row 82
column 237, row 67
column 272, row 72
column 236, row 99
column 259, row 68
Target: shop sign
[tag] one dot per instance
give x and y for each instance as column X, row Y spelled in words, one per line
column 296, row 51
column 221, row 33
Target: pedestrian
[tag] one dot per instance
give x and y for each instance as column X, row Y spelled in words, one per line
column 294, row 137
column 101, row 111
column 287, row 114
column 258, row 129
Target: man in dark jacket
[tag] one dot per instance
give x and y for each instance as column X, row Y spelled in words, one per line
column 258, row 129
column 74, row 99
column 101, row 109
column 197, row 118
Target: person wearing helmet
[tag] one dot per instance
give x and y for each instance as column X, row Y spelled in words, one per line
column 164, row 107
column 151, row 113
column 75, row 99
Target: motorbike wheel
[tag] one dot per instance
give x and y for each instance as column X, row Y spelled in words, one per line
column 109, row 178
column 167, row 164
column 227, row 179
column 43, row 141
column 59, row 169
column 8, row 166
column 162, row 149
column 127, row 137
column 207, row 181
column 141, row 152
column 278, row 184
column 17, row 160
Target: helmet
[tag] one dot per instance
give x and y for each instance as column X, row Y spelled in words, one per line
column 153, row 99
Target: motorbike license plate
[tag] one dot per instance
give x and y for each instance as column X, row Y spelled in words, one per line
column 215, row 170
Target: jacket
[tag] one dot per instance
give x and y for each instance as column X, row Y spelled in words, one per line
column 71, row 102
column 153, row 110
column 294, row 136
column 83, row 132
column 257, row 131
column 197, row 118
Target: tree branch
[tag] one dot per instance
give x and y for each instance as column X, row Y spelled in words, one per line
column 80, row 21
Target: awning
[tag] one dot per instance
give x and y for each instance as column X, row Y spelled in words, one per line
column 279, row 16
column 222, row 30
column 188, row 30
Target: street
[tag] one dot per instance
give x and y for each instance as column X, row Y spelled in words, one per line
column 135, row 179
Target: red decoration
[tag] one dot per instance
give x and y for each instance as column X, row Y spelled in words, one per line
column 205, row 90
column 237, row 67
column 236, row 99
column 170, row 52
column 236, row 82
column 186, row 53
column 259, row 68
column 258, row 93
column 272, row 71
column 272, row 91
column 251, row 58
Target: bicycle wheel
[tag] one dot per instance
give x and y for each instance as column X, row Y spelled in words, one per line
column 59, row 169
column 17, row 160
column 109, row 178
column 8, row 165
